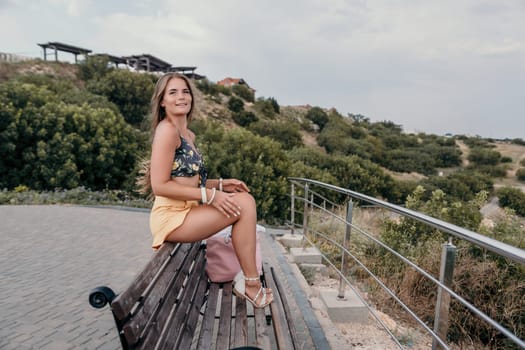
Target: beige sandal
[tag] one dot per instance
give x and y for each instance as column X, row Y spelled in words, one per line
column 239, row 289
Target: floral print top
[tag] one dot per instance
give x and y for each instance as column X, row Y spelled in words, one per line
column 188, row 162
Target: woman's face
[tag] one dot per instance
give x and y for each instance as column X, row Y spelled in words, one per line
column 177, row 98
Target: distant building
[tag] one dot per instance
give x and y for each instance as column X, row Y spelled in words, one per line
column 11, row 57
column 229, row 82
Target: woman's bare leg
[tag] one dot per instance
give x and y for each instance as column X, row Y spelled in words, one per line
column 204, row 221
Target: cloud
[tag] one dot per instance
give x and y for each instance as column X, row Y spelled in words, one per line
column 417, row 63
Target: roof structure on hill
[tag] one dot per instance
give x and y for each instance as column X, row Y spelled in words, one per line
column 148, row 63
column 56, row 46
column 113, row 59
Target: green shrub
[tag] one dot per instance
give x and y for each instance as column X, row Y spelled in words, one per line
column 94, row 67
column 522, row 162
column 265, row 107
column 318, row 116
column 235, row 104
column 520, row 174
column 244, row 118
column 243, row 92
column 48, row 144
column 274, row 104
column 491, row 170
column 131, row 92
column 518, row 141
column 285, row 133
column 482, row 156
column 512, row 198
column 506, row 159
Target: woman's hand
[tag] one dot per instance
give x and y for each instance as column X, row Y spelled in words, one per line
column 234, row 185
column 226, row 204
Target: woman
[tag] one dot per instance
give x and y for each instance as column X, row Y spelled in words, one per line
column 188, row 207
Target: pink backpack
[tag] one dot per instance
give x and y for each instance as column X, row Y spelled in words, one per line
column 221, row 262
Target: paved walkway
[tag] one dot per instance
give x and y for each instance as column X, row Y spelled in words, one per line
column 52, row 256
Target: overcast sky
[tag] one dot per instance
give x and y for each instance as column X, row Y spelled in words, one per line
column 443, row 66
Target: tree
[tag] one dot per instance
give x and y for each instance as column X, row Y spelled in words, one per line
column 286, row 133
column 244, row 118
column 94, row 67
column 513, row 198
column 318, row 116
column 243, row 92
column 483, row 156
column 48, row 144
column 235, row 104
column 130, row 91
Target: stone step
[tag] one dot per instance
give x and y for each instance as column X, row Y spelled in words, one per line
column 349, row 309
column 310, row 255
column 290, row 240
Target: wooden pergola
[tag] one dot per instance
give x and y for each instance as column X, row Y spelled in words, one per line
column 56, row 46
column 187, row 71
column 148, row 63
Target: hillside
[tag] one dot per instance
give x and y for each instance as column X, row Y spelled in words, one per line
column 318, row 138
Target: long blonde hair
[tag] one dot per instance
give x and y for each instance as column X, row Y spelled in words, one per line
column 158, row 113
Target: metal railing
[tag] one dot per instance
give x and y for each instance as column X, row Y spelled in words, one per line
column 312, row 200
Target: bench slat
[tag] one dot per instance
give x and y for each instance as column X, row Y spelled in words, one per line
column 241, row 324
column 286, row 307
column 150, row 326
column 261, row 333
column 279, row 322
column 177, row 319
column 208, row 321
column 223, row 335
column 123, row 303
column 194, row 311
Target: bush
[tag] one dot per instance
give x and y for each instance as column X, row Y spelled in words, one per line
column 235, row 104
column 520, row 174
column 286, row 133
column 48, row 144
column 491, row 170
column 318, row 116
column 212, row 89
column 518, row 141
column 265, row 107
column 275, row 105
column 94, row 67
column 243, row 92
column 522, row 162
column 131, row 92
column 244, row 118
column 482, row 156
column 461, row 186
column 512, row 198
column 506, row 159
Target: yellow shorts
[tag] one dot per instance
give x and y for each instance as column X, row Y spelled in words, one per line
column 166, row 215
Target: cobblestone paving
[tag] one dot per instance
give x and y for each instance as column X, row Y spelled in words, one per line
column 52, row 256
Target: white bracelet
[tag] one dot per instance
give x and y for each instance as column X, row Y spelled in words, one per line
column 213, row 191
column 220, row 184
column 204, row 198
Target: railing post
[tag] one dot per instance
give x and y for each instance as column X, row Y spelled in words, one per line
column 441, row 319
column 292, row 208
column 346, row 240
column 305, row 212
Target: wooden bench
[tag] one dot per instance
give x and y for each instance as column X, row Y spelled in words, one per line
column 172, row 304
